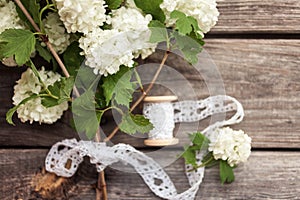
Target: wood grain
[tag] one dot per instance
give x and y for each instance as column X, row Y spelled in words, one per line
column 254, row 16
column 262, row 74
column 267, row 175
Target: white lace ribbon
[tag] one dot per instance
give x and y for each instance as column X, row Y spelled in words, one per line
column 65, row 157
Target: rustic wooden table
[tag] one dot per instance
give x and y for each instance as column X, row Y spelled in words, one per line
column 256, row 46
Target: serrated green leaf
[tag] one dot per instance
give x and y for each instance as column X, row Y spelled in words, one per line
column 189, row 156
column 11, row 111
column 199, row 142
column 132, row 124
column 188, row 46
column 48, row 101
column 152, row 7
column 209, row 160
column 18, row 43
column 189, row 38
column 158, row 32
column 86, row 79
column 67, row 85
column 33, row 8
column 60, row 89
column 118, row 87
column 199, row 139
column 226, row 172
column 44, row 53
column 86, row 118
column 113, row 4
column 72, row 58
column 185, row 24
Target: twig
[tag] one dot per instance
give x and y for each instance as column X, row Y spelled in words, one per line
column 28, row 16
column 101, row 183
column 144, row 94
column 101, row 177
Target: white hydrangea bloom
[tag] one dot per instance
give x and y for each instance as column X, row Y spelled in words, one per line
column 56, row 32
column 33, row 110
column 81, row 15
column 9, row 16
column 233, row 146
column 106, row 50
column 204, row 11
column 130, row 20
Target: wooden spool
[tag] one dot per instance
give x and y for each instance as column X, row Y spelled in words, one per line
column 160, row 142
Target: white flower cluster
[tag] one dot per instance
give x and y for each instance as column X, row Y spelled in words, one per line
column 132, row 22
column 33, row 110
column 230, row 145
column 56, row 32
column 204, row 11
column 81, row 15
column 9, row 16
column 106, row 50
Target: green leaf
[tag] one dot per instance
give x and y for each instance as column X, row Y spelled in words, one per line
column 209, row 160
column 158, row 32
column 152, row 7
column 189, row 156
column 132, row 124
column 226, row 172
column 189, row 38
column 184, row 24
column 72, row 58
column 100, row 98
column 113, row 4
column 199, row 142
column 118, row 87
column 86, row 118
column 188, row 46
column 33, row 8
column 18, row 43
column 86, row 79
column 44, row 53
column 60, row 89
column 11, row 111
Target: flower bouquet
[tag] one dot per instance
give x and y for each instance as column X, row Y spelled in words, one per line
column 93, row 49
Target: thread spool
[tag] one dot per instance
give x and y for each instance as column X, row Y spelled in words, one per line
column 159, row 110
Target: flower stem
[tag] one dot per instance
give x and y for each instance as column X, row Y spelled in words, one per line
column 144, row 94
column 202, row 164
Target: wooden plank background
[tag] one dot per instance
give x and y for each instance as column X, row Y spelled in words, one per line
column 256, row 46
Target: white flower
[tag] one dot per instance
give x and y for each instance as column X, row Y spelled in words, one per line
column 106, row 50
column 132, row 21
column 9, row 16
column 81, row 15
column 204, row 11
column 33, row 110
column 56, row 32
column 230, row 145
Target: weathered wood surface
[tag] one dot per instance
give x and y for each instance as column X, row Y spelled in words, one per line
column 267, row 175
column 255, row 16
column 262, row 74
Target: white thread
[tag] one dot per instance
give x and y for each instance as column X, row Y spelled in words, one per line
column 161, row 115
column 103, row 156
